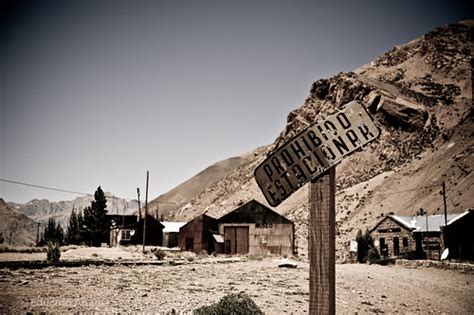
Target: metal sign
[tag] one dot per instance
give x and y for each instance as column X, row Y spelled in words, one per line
column 313, row 151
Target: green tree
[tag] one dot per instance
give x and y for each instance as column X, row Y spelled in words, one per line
column 73, row 233
column 365, row 243
column 95, row 220
column 52, row 233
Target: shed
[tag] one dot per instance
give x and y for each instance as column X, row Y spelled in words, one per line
column 197, row 234
column 255, row 229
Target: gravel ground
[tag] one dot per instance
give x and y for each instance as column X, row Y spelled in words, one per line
column 360, row 288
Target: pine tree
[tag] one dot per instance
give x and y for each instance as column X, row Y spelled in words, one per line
column 81, row 228
column 52, row 233
column 73, row 234
column 95, row 218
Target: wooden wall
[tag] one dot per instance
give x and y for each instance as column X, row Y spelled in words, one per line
column 265, row 239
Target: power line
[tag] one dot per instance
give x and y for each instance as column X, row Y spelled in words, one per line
column 42, row 187
column 55, row 189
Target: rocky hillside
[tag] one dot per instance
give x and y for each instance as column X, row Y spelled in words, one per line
column 183, row 193
column 42, row 210
column 16, row 228
column 420, row 95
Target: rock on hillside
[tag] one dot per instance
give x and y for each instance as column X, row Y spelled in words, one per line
column 420, row 95
column 17, row 229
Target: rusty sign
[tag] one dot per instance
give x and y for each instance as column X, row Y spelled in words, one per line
column 313, row 151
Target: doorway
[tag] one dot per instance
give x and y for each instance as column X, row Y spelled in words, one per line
column 236, row 239
column 396, row 246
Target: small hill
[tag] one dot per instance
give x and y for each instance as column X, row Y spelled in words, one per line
column 17, row 229
column 182, row 194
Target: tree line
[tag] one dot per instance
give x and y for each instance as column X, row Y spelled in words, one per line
column 89, row 227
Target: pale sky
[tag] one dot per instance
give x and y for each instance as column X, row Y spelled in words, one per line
column 98, row 92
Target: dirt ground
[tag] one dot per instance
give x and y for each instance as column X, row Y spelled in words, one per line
column 160, row 289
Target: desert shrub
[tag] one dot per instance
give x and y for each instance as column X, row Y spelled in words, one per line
column 190, row 256
column 159, row 254
column 365, row 243
column 53, row 252
column 373, row 255
column 255, row 257
column 235, row 303
column 386, row 261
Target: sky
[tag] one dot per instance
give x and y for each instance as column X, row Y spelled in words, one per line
column 98, row 92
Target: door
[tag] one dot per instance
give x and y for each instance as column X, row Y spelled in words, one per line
column 190, row 244
column 236, row 239
column 396, row 247
column 383, row 247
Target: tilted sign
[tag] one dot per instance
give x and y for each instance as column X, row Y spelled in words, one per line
column 313, row 151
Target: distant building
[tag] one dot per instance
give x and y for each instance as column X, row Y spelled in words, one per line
column 459, row 236
column 252, row 228
column 171, row 233
column 421, row 236
column 197, row 235
column 128, row 230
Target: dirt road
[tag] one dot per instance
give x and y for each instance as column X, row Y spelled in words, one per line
column 360, row 288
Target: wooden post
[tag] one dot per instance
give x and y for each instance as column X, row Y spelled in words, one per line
column 322, row 249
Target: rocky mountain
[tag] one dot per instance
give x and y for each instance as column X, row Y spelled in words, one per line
column 42, row 210
column 420, row 95
column 16, row 228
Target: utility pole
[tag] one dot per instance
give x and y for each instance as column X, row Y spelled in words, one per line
column 445, row 206
column 427, row 237
column 146, row 211
column 139, row 206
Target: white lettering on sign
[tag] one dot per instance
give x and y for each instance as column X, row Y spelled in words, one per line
column 313, row 151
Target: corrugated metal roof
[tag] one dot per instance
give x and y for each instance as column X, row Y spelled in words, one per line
column 418, row 223
column 172, row 227
column 218, row 238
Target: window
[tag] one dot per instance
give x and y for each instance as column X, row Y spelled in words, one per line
column 405, row 242
column 126, row 235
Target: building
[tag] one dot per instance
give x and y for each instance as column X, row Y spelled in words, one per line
column 459, row 236
column 252, row 228
column 171, row 233
column 197, row 235
column 128, row 230
column 414, row 236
